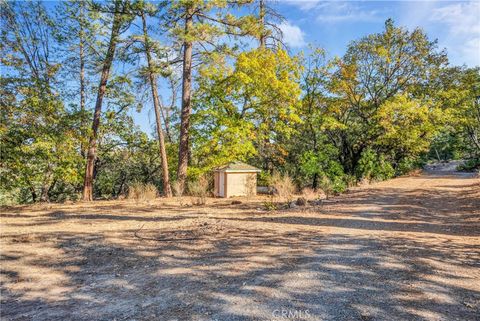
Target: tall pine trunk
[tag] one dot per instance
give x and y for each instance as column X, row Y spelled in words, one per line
column 82, row 69
column 183, row 151
column 167, row 190
column 92, row 145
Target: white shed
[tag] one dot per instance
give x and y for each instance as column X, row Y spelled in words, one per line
column 236, row 179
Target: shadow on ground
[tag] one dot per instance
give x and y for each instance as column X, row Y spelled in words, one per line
column 234, row 271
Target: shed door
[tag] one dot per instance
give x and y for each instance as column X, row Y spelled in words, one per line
column 221, row 184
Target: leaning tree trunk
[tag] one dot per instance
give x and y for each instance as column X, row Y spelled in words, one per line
column 186, row 107
column 167, row 190
column 92, row 145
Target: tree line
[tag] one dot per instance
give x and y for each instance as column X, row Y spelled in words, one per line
column 223, row 87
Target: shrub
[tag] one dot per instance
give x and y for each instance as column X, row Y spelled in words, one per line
column 330, row 187
column 384, row 170
column 309, row 194
column 406, row 165
column 177, row 191
column 270, row 206
column 470, row 165
column 263, row 178
column 366, row 165
column 374, row 166
column 284, row 187
column 350, row 180
column 199, row 190
column 141, row 192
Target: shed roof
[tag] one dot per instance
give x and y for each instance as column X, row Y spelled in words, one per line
column 237, row 167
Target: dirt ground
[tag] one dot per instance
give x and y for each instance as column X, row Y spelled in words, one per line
column 404, row 249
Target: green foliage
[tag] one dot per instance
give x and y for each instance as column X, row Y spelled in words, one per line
column 456, row 92
column 263, row 178
column 330, row 187
column 270, row 206
column 408, row 164
column 373, row 166
column 234, row 117
column 470, row 165
column 324, row 166
column 388, row 111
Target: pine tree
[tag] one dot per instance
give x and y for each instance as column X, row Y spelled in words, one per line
column 148, row 48
column 201, row 22
column 120, row 17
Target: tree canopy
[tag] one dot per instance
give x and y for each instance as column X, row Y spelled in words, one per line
column 73, row 73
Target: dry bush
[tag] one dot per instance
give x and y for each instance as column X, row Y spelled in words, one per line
column 142, row 192
column 415, row 172
column 199, row 190
column 283, row 186
column 177, row 190
column 309, row 194
column 178, row 193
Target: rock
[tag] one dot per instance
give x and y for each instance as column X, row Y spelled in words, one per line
column 301, row 201
column 316, row 202
column 292, row 205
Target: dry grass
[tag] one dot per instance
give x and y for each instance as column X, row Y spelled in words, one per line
column 178, row 193
column 177, row 189
column 142, row 192
column 199, row 190
column 309, row 194
column 284, row 187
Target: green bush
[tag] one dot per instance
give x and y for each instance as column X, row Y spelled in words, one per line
column 263, row 178
column 384, row 170
column 470, row 165
column 332, row 186
column 406, row 165
column 366, row 165
column 374, row 166
column 324, row 164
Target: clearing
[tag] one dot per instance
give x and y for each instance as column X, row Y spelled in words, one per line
column 404, row 249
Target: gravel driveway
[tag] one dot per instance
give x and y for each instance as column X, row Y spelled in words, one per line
column 404, row 249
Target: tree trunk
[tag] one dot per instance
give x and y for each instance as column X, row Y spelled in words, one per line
column 82, row 72
column 92, row 145
column 167, row 190
column 32, row 192
column 438, row 155
column 44, row 193
column 263, row 36
column 186, row 106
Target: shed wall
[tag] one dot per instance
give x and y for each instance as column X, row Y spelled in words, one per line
column 241, row 184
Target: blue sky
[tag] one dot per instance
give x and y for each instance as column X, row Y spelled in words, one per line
column 333, row 24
